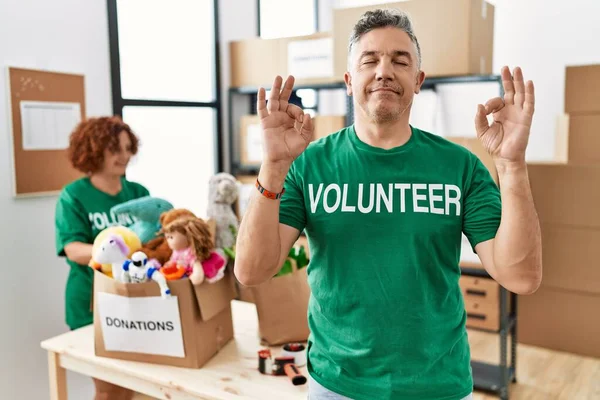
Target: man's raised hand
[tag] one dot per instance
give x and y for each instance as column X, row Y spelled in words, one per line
column 287, row 130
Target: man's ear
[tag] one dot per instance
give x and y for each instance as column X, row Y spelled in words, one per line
column 419, row 79
column 348, row 80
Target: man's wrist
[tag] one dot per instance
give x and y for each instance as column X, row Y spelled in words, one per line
column 508, row 167
column 272, row 176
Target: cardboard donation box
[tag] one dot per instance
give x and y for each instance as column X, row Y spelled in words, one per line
column 132, row 321
column 282, row 307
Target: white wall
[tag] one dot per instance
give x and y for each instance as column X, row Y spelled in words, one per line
column 540, row 36
column 543, row 37
column 237, row 21
column 65, row 36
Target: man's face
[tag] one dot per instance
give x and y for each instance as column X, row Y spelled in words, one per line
column 384, row 76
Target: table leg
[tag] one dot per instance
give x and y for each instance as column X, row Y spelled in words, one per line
column 58, row 377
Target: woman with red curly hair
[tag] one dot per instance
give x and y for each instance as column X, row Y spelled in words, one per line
column 100, row 148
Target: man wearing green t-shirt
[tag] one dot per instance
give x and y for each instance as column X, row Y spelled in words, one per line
column 384, row 206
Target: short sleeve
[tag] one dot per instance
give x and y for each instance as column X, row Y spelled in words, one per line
column 292, row 211
column 71, row 223
column 139, row 190
column 143, row 191
column 482, row 205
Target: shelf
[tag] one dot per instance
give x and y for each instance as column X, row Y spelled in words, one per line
column 254, row 89
column 429, row 83
column 488, row 377
column 479, row 272
column 238, row 169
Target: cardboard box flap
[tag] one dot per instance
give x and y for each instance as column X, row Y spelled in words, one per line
column 213, row 298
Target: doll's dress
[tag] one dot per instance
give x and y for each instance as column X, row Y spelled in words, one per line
column 213, row 266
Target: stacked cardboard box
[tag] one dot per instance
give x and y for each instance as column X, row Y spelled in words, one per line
column 462, row 28
column 256, row 61
column 563, row 313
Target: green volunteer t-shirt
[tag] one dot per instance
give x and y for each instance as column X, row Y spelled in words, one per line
column 386, row 312
column 82, row 211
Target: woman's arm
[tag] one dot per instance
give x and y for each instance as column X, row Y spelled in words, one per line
column 79, row 252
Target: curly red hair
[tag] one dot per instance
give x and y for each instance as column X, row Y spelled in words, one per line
column 94, row 135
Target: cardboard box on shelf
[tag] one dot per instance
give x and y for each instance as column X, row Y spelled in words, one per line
column 582, row 89
column 251, row 151
column 566, row 194
column 560, row 320
column 475, row 146
column 328, row 124
column 132, row 322
column 570, row 258
column 251, row 135
column 456, row 39
column 582, row 138
column 256, row 62
column 561, row 138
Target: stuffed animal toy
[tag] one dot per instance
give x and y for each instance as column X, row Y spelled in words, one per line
column 222, row 193
column 139, row 270
column 193, row 248
column 146, row 211
column 158, row 249
column 112, row 250
column 129, row 237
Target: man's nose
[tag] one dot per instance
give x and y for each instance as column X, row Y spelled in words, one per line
column 385, row 70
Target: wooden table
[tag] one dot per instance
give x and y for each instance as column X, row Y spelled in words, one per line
column 231, row 374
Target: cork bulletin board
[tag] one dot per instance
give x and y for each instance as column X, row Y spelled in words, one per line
column 44, row 109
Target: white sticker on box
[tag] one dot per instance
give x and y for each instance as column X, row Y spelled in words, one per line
column 148, row 325
column 483, row 9
column 311, row 58
column 254, row 145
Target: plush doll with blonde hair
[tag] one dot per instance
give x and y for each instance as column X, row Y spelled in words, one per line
column 191, row 241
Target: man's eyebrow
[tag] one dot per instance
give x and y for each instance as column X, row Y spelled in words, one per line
column 395, row 53
column 368, row 53
column 402, row 53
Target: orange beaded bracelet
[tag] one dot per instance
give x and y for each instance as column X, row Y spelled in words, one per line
column 267, row 193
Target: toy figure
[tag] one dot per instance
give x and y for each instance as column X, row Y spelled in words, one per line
column 129, row 238
column 192, row 245
column 114, row 251
column 139, row 270
column 222, row 193
column 146, row 212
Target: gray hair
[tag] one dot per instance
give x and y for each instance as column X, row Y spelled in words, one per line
column 382, row 18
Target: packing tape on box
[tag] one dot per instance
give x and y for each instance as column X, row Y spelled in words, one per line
column 296, row 350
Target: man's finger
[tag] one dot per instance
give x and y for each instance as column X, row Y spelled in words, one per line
column 494, row 105
column 261, row 104
column 284, row 98
column 507, row 84
column 529, row 105
column 295, row 112
column 481, row 122
column 273, row 104
column 519, row 85
column 307, row 130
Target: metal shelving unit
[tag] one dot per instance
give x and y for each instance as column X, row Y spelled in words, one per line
column 491, row 377
column 487, row 377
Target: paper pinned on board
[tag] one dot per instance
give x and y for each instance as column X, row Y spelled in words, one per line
column 47, row 125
